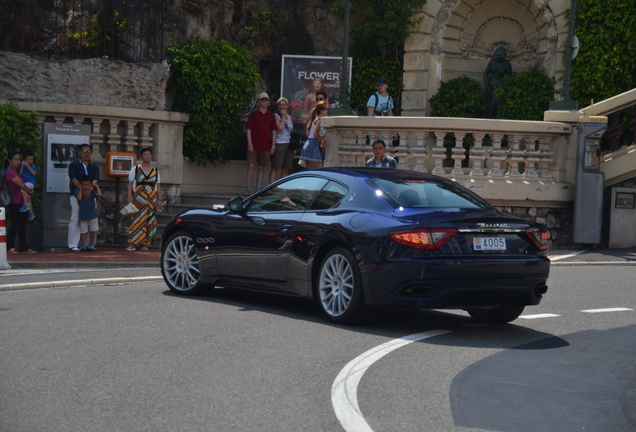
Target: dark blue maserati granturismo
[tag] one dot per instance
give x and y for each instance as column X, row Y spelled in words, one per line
column 352, row 237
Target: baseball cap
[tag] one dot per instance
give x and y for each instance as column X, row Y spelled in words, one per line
column 263, row 95
column 382, row 80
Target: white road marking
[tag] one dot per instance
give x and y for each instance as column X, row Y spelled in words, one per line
column 618, row 309
column 344, row 391
column 536, row 316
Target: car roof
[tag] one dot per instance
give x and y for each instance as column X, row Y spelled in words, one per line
column 370, row 173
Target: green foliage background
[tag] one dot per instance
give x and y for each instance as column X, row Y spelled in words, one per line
column 21, row 132
column 214, row 82
column 606, row 63
column 378, row 32
column 459, row 97
column 525, row 95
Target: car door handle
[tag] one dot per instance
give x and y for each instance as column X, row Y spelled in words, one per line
column 286, row 227
column 259, row 221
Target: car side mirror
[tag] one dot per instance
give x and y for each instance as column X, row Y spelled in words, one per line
column 236, row 204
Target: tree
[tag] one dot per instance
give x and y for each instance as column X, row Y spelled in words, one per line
column 214, row 82
column 379, row 30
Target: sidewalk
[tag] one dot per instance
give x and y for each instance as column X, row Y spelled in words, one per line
column 111, row 256
column 104, row 256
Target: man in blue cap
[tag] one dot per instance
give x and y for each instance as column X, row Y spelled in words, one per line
column 380, row 103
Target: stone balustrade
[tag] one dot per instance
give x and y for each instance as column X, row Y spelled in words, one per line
column 502, row 160
column 124, row 130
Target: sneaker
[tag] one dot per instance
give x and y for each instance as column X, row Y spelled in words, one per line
column 25, row 207
column 75, row 249
column 31, row 216
column 12, row 252
column 29, row 251
column 91, row 247
column 83, row 249
column 131, row 248
column 143, row 248
column 247, row 192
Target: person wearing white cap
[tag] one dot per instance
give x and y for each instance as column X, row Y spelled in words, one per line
column 261, row 141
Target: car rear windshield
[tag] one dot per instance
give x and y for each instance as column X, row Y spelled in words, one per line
column 418, row 193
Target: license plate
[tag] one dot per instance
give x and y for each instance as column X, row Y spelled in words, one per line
column 489, row 243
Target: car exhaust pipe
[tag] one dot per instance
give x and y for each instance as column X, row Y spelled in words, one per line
column 541, row 289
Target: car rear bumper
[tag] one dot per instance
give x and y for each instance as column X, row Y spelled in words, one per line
column 458, row 284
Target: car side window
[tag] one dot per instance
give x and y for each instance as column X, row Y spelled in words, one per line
column 331, row 195
column 292, row 195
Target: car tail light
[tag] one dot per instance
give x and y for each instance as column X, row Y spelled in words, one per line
column 539, row 237
column 424, row 238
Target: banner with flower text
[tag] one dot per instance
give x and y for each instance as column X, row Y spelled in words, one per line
column 303, row 76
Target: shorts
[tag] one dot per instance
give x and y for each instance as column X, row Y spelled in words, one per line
column 262, row 157
column 89, row 225
column 283, row 157
column 29, row 185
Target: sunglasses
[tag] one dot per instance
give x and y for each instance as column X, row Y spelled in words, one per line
column 87, row 151
column 320, row 99
column 264, row 99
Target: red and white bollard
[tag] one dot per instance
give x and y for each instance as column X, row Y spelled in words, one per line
column 4, row 264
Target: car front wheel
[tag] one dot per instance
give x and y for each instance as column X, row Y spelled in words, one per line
column 339, row 286
column 496, row 315
column 180, row 265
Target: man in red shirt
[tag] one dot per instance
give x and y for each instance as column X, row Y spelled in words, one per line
column 261, row 141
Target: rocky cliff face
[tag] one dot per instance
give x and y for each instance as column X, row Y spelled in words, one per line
column 312, row 30
column 84, row 82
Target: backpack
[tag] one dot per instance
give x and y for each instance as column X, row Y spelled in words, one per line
column 5, row 192
column 375, row 106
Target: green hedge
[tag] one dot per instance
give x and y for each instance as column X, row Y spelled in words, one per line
column 215, row 82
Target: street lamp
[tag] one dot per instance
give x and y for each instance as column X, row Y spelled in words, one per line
column 344, row 108
column 565, row 104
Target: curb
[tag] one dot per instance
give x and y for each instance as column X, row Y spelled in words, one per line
column 75, row 264
column 79, row 282
column 593, row 263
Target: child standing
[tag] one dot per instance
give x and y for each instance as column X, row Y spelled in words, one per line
column 88, row 212
column 28, row 171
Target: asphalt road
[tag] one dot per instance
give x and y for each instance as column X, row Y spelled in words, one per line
column 126, row 357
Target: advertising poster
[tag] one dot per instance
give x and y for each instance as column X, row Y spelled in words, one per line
column 303, row 76
column 62, row 150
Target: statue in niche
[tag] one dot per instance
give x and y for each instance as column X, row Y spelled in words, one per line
column 498, row 67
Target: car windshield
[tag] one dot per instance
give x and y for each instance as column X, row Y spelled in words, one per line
column 418, row 193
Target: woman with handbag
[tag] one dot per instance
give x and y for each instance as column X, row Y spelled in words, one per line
column 144, row 192
column 311, row 153
column 19, row 219
column 283, row 157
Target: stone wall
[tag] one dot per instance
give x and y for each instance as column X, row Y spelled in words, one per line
column 98, row 82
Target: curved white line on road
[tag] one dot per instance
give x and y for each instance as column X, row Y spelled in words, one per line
column 344, row 391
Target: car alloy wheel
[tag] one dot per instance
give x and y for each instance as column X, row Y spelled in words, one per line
column 339, row 286
column 180, row 265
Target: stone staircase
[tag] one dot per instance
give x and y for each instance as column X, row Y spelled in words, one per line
column 188, row 201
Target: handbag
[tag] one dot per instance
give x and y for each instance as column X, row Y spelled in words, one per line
column 296, row 139
column 128, row 210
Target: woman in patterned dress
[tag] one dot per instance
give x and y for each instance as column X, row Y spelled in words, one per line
column 144, row 191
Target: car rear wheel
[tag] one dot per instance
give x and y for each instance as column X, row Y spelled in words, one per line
column 180, row 265
column 339, row 286
column 496, row 315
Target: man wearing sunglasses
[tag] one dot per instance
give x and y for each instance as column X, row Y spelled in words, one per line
column 76, row 170
column 261, row 141
column 321, row 96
